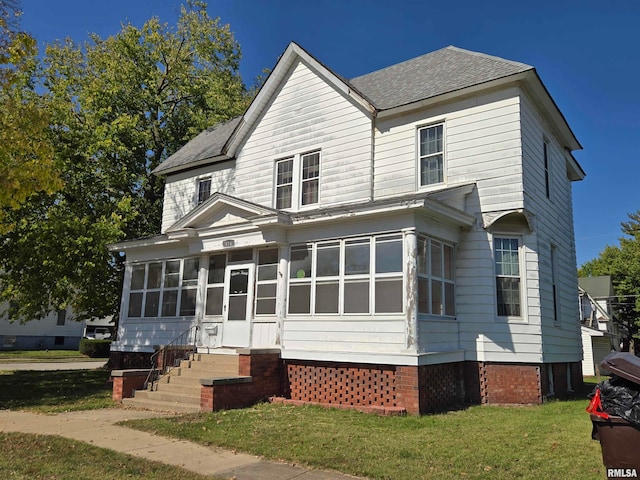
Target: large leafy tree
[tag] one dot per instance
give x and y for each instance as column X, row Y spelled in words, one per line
column 119, row 106
column 26, row 153
column 622, row 262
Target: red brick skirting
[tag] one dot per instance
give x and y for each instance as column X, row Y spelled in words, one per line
column 516, row 383
column 414, row 389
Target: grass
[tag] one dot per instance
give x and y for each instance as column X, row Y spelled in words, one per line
column 26, row 457
column 55, row 391
column 482, row 442
column 23, row 356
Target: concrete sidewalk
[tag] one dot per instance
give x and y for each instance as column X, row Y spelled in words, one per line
column 52, row 365
column 97, row 428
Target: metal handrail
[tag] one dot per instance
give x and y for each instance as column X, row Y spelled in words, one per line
column 172, row 353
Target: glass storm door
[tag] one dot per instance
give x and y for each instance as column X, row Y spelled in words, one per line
column 238, row 303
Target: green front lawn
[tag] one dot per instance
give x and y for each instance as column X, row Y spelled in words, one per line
column 21, row 356
column 548, row 441
column 43, row 457
column 55, row 391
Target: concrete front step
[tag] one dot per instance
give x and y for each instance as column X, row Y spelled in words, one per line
column 171, row 397
column 223, row 361
column 147, row 404
column 179, row 391
column 200, row 371
column 186, row 388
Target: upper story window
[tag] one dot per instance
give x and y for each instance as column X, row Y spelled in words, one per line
column 431, row 154
column 297, row 181
column 507, row 264
column 204, row 189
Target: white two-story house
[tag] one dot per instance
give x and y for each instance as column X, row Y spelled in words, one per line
column 402, row 238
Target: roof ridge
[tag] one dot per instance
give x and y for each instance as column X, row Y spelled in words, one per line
column 486, row 55
column 451, row 48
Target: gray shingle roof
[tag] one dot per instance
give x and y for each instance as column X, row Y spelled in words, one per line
column 208, row 144
column 432, row 74
column 597, row 287
column 429, row 75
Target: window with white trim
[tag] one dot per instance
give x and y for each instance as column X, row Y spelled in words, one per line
column 204, row 189
column 297, row 181
column 215, row 284
column 267, row 281
column 350, row 276
column 164, row 288
column 431, row 154
column 508, row 281
column 436, row 283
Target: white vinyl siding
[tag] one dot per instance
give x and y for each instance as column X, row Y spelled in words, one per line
column 481, row 144
column 181, row 194
column 306, row 115
column 554, row 226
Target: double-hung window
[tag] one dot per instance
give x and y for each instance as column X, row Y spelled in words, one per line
column 431, row 154
column 204, row 189
column 436, row 284
column 507, row 264
column 297, row 181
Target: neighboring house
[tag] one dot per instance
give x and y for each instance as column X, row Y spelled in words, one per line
column 402, row 238
column 599, row 331
column 57, row 330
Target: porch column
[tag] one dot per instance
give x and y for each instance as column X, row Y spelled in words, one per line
column 282, row 294
column 411, row 291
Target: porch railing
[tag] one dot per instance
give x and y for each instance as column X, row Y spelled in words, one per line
column 168, row 357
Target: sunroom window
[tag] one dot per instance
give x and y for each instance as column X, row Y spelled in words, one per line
column 349, row 276
column 436, row 285
column 267, row 281
column 164, row 288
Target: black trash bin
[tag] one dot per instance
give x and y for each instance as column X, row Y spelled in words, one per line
column 611, row 401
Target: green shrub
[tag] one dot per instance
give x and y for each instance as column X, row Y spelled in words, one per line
column 95, row 348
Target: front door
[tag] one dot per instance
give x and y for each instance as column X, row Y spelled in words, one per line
column 238, row 305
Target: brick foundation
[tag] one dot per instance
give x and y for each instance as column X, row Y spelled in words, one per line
column 493, row 383
column 416, row 390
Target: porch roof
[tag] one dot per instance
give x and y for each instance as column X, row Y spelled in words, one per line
column 223, row 214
